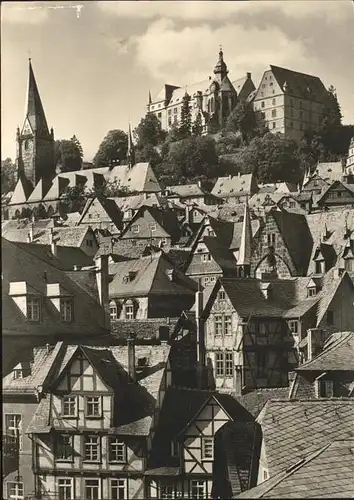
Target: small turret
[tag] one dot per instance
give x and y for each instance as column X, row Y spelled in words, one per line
column 220, row 69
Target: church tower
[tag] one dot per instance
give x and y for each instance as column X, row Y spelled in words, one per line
column 35, row 144
column 220, row 70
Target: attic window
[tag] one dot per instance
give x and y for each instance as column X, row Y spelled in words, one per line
column 142, row 362
column 311, row 291
column 17, row 373
column 170, row 274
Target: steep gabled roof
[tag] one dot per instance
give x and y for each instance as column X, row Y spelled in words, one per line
column 149, row 276
column 166, row 218
column 108, row 205
column 293, row 429
column 325, row 473
column 337, row 355
column 300, row 84
column 21, row 192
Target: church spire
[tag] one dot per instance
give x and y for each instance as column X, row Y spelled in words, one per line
column 35, row 113
column 150, row 100
column 220, row 69
column 131, row 151
column 244, row 254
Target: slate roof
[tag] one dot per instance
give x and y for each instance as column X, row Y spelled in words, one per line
column 64, row 236
column 223, row 259
column 255, row 400
column 35, row 112
column 150, row 278
column 299, row 83
column 292, row 429
column 325, row 473
column 166, row 218
column 109, row 206
column 20, row 264
column 297, row 237
column 186, row 190
column 337, row 355
column 237, row 185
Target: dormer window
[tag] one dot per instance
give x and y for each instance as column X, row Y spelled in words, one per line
column 320, row 267
column 66, row 310
column 33, row 308
column 17, row 373
column 311, row 291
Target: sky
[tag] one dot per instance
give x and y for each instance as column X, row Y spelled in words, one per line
column 95, row 62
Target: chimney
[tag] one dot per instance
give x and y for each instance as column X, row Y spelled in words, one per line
column 103, row 286
column 200, row 338
column 31, row 233
column 187, row 214
column 314, row 340
column 53, row 243
column 131, row 356
column 238, row 380
column 249, row 75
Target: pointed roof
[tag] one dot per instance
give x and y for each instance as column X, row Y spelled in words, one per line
column 21, row 192
column 130, row 152
column 221, row 65
column 35, row 113
column 244, row 255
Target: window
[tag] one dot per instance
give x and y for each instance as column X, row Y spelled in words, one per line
column 118, row 489
column 117, row 450
column 262, row 361
column 66, row 310
column 274, row 125
column 92, row 489
column 15, row 491
column 198, row 489
column 265, row 475
column 292, row 204
column 263, row 85
column 320, row 266
column 273, row 101
column 169, row 111
column 218, row 325
column 91, row 449
column 207, row 448
column 169, row 120
column 206, row 257
column 17, row 374
column 221, row 295
column 175, row 110
column 224, row 362
column 89, row 243
column 274, row 113
column 136, row 228
column 311, row 291
column 113, row 311
column 167, row 491
column 13, row 423
column 93, row 406
column 262, row 104
column 330, row 317
column 65, row 488
column 159, row 115
column 152, row 227
column 227, row 325
column 294, row 326
column 33, row 309
column 129, row 311
column 271, row 239
column 64, row 447
column 69, row 406
column 349, row 264
column 325, row 388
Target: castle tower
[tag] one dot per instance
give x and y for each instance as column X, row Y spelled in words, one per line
column 35, row 144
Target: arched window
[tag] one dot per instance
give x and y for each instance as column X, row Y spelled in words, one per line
column 27, row 143
column 113, row 310
column 17, row 214
column 129, row 310
column 50, row 211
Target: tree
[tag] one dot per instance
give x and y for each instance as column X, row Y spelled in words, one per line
column 272, row 158
column 77, row 143
column 189, row 160
column 8, row 176
column 332, row 112
column 245, row 121
column 197, row 127
column 68, row 155
column 74, row 198
column 149, row 132
column 148, row 154
column 113, row 149
column 185, row 126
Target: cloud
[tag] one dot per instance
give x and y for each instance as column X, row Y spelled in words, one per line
column 23, row 13
column 189, row 54
column 334, row 10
